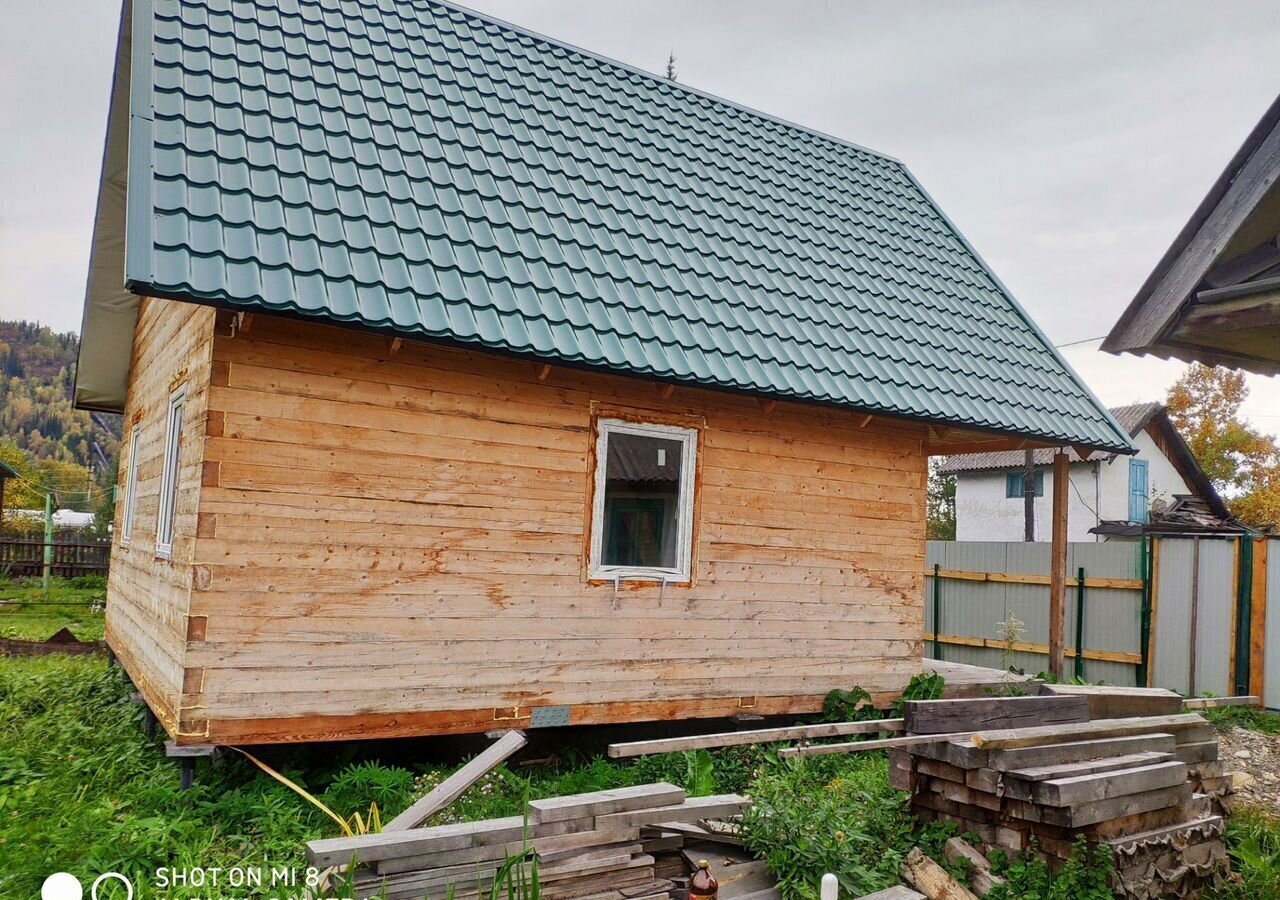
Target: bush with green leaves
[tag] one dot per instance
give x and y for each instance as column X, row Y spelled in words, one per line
column 829, row 814
column 1084, row 876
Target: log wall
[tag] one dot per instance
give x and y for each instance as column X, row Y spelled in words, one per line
column 146, row 620
column 392, row 543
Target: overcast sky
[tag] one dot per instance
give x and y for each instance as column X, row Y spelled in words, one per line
column 1068, row 141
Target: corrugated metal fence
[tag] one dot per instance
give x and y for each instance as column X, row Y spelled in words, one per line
column 1184, row 613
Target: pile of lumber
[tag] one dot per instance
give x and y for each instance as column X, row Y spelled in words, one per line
column 1145, row 785
column 597, row 846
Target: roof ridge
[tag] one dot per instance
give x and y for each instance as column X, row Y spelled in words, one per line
column 666, row 82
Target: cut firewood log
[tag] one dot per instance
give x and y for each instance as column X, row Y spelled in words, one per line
column 980, row 877
column 930, row 879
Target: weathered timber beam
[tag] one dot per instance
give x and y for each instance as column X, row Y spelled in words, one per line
column 1005, row 739
column 1058, row 568
column 453, row 787
column 758, row 736
column 1218, row 702
column 910, row 740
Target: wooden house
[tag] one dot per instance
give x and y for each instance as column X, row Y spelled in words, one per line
column 472, row 380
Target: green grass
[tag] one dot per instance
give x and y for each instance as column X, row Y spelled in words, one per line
column 25, row 612
column 83, row 790
column 1258, row 720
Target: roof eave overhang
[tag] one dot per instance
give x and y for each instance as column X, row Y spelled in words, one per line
column 110, row 305
column 1153, row 312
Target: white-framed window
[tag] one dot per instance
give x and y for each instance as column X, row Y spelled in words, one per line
column 130, row 487
column 642, row 503
column 169, row 474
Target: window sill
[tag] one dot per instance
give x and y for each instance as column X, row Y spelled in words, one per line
column 648, row 576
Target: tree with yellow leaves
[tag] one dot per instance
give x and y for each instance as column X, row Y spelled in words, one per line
column 1242, row 463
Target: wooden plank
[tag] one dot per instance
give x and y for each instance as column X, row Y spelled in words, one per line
column 1088, row 767
column 694, row 809
column 370, row 848
column 1032, row 647
column 1219, row 702
column 485, row 853
column 862, row 746
column 1060, row 734
column 943, row 716
column 897, row 892
column 1107, row 785
column 1058, row 569
column 1079, row 751
column 1116, row 807
column 1115, row 584
column 1118, row 703
column 1197, row 752
column 757, row 736
column 1258, row 617
column 601, row 803
column 456, row 784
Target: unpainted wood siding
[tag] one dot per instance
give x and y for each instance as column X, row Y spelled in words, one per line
column 395, row 546
column 147, row 596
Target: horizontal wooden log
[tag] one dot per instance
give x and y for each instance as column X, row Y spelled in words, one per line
column 757, row 736
column 944, row 716
column 600, row 803
column 1061, row 734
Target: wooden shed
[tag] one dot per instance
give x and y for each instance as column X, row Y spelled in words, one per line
column 473, row 380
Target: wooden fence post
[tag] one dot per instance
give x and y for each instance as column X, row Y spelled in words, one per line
column 1058, row 569
column 1258, row 627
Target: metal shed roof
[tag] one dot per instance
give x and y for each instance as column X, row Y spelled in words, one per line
column 415, row 168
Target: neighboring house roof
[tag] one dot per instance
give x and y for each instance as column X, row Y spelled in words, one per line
column 7, row 471
column 1132, row 419
column 1215, row 294
column 420, row 170
column 1151, row 417
column 1188, row 514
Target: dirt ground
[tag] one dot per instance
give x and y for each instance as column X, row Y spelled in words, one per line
column 1257, row 757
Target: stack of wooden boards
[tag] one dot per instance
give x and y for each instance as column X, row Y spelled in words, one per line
column 1146, row 784
column 596, row 846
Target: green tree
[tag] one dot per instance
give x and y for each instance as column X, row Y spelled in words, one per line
column 941, row 501
column 1242, row 463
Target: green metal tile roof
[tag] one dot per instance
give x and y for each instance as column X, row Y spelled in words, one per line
column 410, row 166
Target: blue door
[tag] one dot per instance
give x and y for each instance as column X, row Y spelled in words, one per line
column 1138, row 503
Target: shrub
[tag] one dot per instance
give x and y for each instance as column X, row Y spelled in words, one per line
column 829, row 814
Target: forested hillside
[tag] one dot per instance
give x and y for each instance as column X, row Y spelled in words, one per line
column 41, row 435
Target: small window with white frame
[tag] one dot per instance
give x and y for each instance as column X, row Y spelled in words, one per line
column 169, row 474
column 130, row 487
column 642, row 503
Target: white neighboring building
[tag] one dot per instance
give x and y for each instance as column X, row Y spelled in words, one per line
column 1108, row 492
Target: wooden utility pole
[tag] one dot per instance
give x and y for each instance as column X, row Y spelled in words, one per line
column 1058, row 569
column 1029, row 497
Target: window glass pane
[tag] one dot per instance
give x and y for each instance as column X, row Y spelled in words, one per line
column 172, row 448
column 641, row 501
